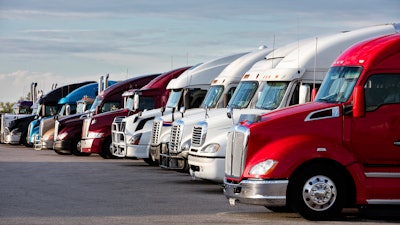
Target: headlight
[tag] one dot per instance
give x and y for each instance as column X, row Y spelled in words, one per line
column 62, row 136
column 135, row 139
column 95, row 135
column 263, row 167
column 212, row 148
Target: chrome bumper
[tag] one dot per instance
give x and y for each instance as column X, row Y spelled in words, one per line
column 257, row 192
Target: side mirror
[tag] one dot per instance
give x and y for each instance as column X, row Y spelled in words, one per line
column 358, row 102
column 136, row 102
column 304, row 93
column 182, row 110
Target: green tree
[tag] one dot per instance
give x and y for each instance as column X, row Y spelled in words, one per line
column 6, row 107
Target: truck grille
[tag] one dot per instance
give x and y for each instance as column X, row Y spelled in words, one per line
column 156, row 131
column 236, row 151
column 85, row 127
column 176, row 136
column 118, row 124
column 199, row 134
column 56, row 127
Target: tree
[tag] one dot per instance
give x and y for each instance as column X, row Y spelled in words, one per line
column 6, row 107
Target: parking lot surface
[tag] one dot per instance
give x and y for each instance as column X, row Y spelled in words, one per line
column 41, row 187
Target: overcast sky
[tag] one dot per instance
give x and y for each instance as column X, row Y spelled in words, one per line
column 59, row 41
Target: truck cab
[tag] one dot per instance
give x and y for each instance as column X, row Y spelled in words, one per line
column 96, row 129
column 221, row 90
column 68, row 130
column 74, row 103
column 287, row 84
column 188, row 90
column 127, row 131
column 339, row 151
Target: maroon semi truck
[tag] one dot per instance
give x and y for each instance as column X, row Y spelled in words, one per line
column 96, row 130
column 68, row 130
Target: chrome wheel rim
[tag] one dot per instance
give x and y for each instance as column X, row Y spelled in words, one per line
column 319, row 193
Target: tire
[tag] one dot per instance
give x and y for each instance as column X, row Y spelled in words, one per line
column 75, row 146
column 150, row 161
column 105, row 152
column 24, row 141
column 317, row 192
column 279, row 209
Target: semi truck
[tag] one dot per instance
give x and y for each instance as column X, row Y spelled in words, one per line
column 68, row 130
column 47, row 105
column 76, row 102
column 96, row 131
column 20, row 110
column 188, row 90
column 287, row 84
column 339, row 151
column 218, row 96
column 128, row 130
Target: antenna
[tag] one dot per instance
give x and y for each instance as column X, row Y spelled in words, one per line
column 273, row 51
column 315, row 60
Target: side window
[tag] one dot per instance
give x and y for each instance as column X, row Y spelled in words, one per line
column 230, row 93
column 110, row 106
column 294, row 100
column 381, row 89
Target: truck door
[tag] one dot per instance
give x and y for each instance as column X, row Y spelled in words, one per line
column 376, row 137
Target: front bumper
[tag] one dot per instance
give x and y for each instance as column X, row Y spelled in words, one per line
column 257, row 192
column 13, row 138
column 173, row 161
column 91, row 145
column 155, row 152
column 63, row 146
column 138, row 151
column 207, row 168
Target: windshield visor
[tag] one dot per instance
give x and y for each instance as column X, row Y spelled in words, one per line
column 338, row 84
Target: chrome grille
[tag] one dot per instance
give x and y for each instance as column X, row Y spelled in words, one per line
column 85, row 127
column 156, row 131
column 236, row 151
column 41, row 128
column 56, row 127
column 176, row 136
column 118, row 129
column 199, row 134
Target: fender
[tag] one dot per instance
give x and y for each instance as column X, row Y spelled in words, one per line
column 292, row 151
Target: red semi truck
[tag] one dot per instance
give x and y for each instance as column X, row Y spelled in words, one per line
column 342, row 150
column 96, row 130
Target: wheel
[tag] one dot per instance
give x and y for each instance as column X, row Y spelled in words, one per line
column 150, row 161
column 75, row 148
column 317, row 193
column 106, row 151
column 24, row 141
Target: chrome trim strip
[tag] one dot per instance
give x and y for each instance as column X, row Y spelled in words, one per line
column 335, row 113
column 382, row 175
column 384, row 201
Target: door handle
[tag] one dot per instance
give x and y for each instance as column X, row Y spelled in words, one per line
column 397, row 143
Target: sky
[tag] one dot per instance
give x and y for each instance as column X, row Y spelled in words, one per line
column 62, row 42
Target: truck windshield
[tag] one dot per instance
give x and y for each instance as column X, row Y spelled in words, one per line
column 173, row 99
column 212, row 96
column 271, row 95
column 338, row 84
column 243, row 94
column 96, row 103
column 145, row 102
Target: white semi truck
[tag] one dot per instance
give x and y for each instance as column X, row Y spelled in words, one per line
column 220, row 92
column 287, row 84
column 131, row 135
